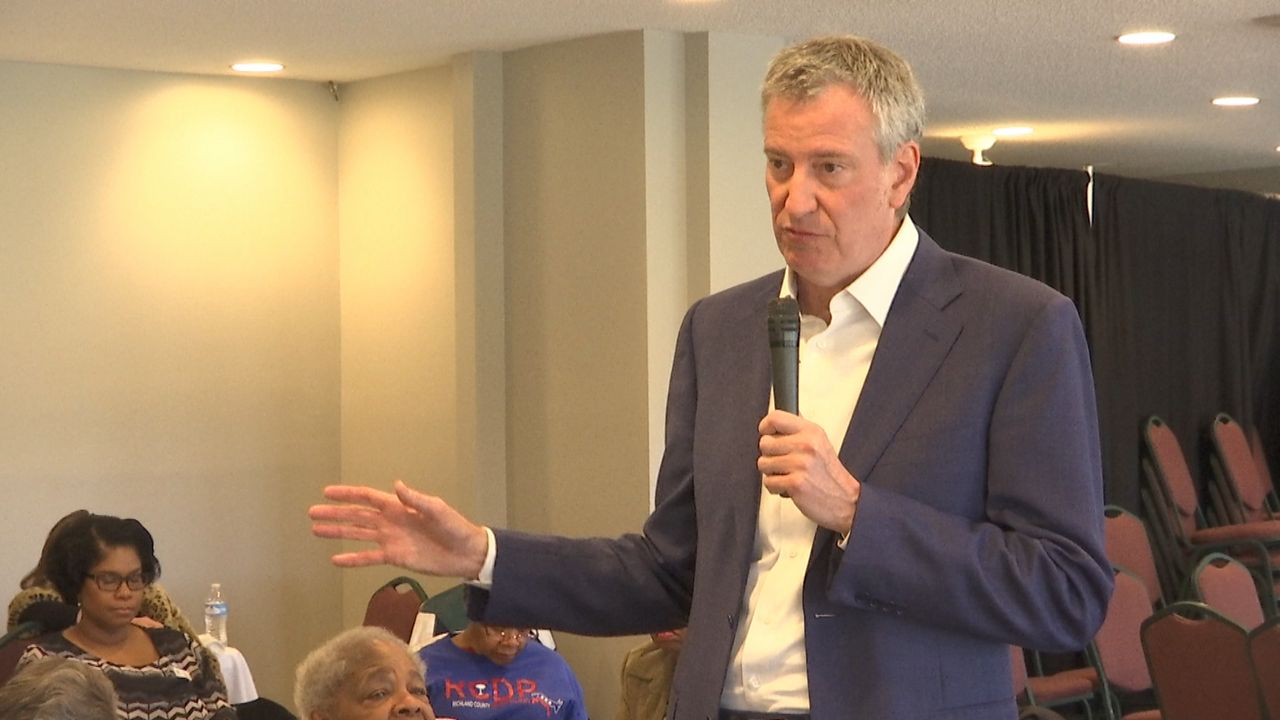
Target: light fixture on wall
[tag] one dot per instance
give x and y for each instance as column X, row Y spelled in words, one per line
column 977, row 144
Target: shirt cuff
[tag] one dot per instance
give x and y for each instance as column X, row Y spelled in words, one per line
column 484, row 580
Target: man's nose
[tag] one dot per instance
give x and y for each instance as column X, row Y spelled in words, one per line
column 801, row 195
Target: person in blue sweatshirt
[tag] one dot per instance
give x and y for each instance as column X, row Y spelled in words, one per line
column 487, row 672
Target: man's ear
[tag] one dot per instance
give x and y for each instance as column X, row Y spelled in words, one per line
column 903, row 169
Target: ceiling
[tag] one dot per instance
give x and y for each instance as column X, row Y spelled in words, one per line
column 1052, row 65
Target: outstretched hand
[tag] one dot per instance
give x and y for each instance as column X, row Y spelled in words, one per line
column 410, row 529
column 798, row 461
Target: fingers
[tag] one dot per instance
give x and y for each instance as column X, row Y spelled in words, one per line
column 363, row 558
column 346, row 532
column 358, row 495
column 344, row 514
column 779, row 422
column 412, row 498
column 781, row 485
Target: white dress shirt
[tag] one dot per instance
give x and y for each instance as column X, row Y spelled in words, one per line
column 767, row 669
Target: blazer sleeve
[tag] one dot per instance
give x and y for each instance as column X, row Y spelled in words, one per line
column 1027, row 567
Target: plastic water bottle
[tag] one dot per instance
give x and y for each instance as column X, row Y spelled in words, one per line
column 215, row 614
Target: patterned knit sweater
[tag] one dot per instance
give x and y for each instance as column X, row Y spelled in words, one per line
column 177, row 686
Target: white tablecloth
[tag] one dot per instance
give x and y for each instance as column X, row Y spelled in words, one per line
column 240, row 687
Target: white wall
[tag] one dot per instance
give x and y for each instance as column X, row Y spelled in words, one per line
column 168, row 304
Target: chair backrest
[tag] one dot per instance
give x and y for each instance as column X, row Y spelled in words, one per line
column 1129, row 546
column 1236, row 471
column 1226, row 585
column 1264, row 650
column 1119, row 640
column 1171, row 475
column 13, row 644
column 450, row 609
column 1199, row 663
column 394, row 606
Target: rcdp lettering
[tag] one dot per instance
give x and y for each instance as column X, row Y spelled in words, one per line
column 498, row 690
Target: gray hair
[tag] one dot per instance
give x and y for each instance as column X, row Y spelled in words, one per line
column 58, row 688
column 322, row 673
column 877, row 74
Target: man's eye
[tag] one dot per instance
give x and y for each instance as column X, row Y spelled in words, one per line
column 830, row 168
column 419, row 691
column 378, row 694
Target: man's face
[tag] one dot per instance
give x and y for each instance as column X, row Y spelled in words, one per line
column 834, row 201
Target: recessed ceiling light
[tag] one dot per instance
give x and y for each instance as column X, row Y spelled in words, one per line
column 1151, row 37
column 1012, row 131
column 257, row 67
column 1235, row 101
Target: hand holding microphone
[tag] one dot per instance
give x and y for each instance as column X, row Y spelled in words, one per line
column 796, row 457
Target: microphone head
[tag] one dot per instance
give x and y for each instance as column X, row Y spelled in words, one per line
column 784, row 322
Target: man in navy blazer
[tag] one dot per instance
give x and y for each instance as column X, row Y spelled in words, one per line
column 937, row 499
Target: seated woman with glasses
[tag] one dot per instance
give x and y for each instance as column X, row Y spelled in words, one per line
column 38, row 600
column 103, row 564
column 488, row 672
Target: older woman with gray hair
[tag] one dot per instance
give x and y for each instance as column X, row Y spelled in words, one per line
column 364, row 673
column 55, row 688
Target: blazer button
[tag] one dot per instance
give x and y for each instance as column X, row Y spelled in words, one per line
column 732, row 623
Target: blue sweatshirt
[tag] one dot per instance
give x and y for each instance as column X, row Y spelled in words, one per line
column 536, row 685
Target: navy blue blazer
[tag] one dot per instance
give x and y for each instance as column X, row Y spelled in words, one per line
column 979, row 524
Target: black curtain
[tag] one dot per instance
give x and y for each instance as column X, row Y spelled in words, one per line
column 1178, row 289
column 1190, row 307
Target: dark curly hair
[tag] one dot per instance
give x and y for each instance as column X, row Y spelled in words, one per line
column 84, row 542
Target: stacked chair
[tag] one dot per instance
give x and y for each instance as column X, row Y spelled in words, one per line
column 1192, row 626
column 1181, row 527
column 1212, row 650
column 1226, row 585
column 1241, row 477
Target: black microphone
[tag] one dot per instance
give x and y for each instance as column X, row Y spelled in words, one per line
column 784, row 346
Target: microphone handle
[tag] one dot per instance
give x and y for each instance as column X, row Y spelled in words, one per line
column 786, row 378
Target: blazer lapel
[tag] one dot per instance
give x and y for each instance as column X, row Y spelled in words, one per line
column 916, row 338
column 742, row 374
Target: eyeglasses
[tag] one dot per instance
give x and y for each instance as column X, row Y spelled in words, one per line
column 110, row 582
column 507, row 633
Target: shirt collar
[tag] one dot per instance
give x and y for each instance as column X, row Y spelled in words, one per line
column 876, row 287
